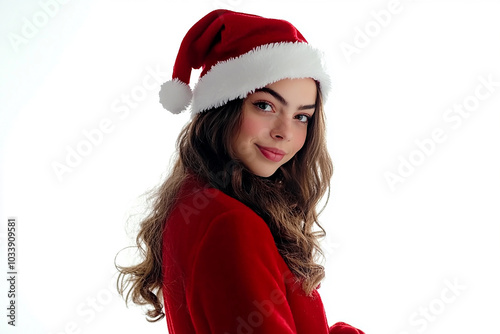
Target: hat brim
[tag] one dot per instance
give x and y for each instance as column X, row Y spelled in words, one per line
column 235, row 78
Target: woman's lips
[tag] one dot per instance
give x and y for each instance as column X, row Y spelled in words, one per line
column 272, row 154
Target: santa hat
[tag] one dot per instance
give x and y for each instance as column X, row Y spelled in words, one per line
column 238, row 53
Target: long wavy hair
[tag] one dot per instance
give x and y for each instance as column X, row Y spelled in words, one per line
column 286, row 201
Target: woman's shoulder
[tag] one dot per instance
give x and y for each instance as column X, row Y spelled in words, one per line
column 199, row 201
column 207, row 218
column 200, row 208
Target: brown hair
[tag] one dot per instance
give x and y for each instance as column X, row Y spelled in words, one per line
column 286, row 201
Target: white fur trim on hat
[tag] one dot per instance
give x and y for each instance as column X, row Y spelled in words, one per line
column 175, row 96
column 266, row 64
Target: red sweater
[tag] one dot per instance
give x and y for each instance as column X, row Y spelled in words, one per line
column 223, row 274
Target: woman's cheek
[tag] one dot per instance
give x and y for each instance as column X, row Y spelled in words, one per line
column 254, row 127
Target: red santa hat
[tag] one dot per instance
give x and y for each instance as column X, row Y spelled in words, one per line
column 238, row 53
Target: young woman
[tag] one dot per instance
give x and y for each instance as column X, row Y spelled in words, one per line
column 230, row 245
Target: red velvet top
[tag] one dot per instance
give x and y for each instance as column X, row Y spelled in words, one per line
column 223, row 274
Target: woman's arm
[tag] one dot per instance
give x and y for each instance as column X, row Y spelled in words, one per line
column 236, row 283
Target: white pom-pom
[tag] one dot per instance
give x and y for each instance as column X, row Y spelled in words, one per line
column 175, row 96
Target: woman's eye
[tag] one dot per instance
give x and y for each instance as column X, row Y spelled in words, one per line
column 303, row 118
column 263, row 106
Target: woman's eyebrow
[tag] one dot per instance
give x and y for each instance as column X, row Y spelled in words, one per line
column 281, row 99
column 273, row 93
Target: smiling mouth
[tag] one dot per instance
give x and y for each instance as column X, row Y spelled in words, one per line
column 272, row 154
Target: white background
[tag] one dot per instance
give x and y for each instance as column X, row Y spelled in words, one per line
column 390, row 252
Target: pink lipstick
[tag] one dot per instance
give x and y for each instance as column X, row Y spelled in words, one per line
column 272, row 154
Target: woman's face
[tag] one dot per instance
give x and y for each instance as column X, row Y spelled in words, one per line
column 274, row 124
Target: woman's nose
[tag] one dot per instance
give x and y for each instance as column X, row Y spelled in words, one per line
column 282, row 129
